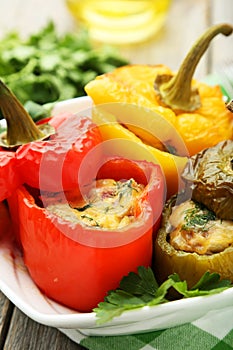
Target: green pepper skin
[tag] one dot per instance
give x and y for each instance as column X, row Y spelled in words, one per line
column 189, row 266
column 209, row 174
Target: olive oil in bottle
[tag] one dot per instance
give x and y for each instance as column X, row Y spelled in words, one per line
column 120, row 21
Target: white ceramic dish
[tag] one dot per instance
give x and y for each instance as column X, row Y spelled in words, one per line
column 17, row 285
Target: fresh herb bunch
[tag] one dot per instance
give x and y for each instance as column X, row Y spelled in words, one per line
column 141, row 289
column 46, row 67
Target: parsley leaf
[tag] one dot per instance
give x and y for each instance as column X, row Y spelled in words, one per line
column 141, row 289
column 138, row 283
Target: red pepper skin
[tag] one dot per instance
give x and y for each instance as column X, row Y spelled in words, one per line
column 76, row 265
column 53, row 165
column 9, row 179
column 5, row 223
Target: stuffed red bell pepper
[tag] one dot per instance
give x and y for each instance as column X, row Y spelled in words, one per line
column 79, row 250
column 44, row 156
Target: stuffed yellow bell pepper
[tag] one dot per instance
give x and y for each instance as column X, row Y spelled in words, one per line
column 173, row 104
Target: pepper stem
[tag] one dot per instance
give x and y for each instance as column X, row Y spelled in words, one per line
column 20, row 127
column 177, row 91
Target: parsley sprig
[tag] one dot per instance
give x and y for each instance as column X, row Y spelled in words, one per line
column 141, row 289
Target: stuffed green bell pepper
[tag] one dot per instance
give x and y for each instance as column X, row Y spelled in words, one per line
column 196, row 235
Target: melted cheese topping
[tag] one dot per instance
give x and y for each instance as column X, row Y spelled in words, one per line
column 195, row 229
column 110, row 204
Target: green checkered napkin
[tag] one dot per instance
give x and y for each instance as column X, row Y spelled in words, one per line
column 211, row 332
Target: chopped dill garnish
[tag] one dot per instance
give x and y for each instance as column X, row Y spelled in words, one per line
column 129, row 184
column 198, row 218
column 124, row 187
column 90, row 219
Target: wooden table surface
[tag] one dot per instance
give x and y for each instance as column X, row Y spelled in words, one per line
column 186, row 21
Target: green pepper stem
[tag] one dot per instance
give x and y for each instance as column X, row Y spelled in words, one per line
column 176, row 91
column 20, row 127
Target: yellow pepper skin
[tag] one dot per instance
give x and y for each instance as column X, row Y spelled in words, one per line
column 128, row 144
column 210, row 124
column 134, row 84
